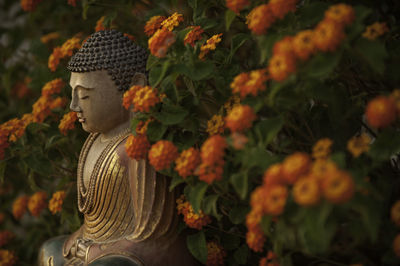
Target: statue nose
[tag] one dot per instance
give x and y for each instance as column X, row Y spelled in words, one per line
column 74, row 106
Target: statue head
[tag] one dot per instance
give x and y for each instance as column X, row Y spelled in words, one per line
column 101, row 71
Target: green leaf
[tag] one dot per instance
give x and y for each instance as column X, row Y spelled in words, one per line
column 39, row 164
column 196, row 194
column 258, row 156
column 265, row 224
column 241, row 254
column 152, row 61
column 197, row 246
column 374, row 52
column 201, row 70
column 371, row 215
column 238, row 214
column 322, row 65
column 386, row 145
column 269, row 128
column 155, row 131
column 229, row 17
column 237, row 41
column 340, row 159
column 239, row 182
column 265, row 43
column 171, row 114
column 175, row 181
column 210, row 206
column 163, row 71
column 311, row 13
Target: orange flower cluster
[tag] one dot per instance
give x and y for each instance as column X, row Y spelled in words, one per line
column 153, row 24
column 99, row 24
column 240, row 118
column 142, row 98
column 249, row 83
column 215, row 254
column 19, row 207
column 29, row 5
column 162, row 154
column 52, row 87
column 192, row 219
column 37, row 202
column 1, row 217
column 141, row 127
column 56, row 201
column 237, row 5
column 233, row 101
column 375, row 30
column 187, row 162
column 215, row 125
column 270, row 260
column 5, row 237
column 212, row 159
column 193, row 35
column 238, row 140
column 255, row 239
column 41, row 109
column 67, row 122
column 7, row 258
column 160, row 42
column 130, row 36
column 49, row 37
column 137, row 146
column 359, row 144
column 322, row 148
column 210, row 45
column 381, row 111
column 172, row 21
column 64, row 51
column 263, row 16
column 326, row 36
column 72, row 3
column 396, row 245
column 21, row 89
column 395, row 213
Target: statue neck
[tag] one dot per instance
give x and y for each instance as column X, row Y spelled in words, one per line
column 120, row 129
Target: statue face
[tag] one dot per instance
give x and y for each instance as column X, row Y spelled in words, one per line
column 97, row 101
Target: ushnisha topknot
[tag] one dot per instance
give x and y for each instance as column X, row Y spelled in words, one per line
column 112, row 51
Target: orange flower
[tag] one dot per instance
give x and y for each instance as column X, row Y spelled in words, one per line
column 52, row 87
column 322, row 148
column 257, row 198
column 41, row 109
column 21, row 89
column 255, row 239
column 381, row 111
column 306, row 191
column 160, row 42
column 294, row 166
column 237, row 5
column 341, row 13
column 137, row 146
column 375, row 30
column 54, row 58
column 395, row 95
column 215, row 254
column 395, row 213
column 67, row 122
column 240, row 118
column 280, row 8
column 210, row 172
column 270, row 260
column 153, row 24
column 1, row 217
column 233, row 101
column 56, row 202
column 49, row 37
column 13, row 129
column 172, row 21
column 19, row 207
column 396, row 245
column 145, row 98
column 251, row 83
column 238, row 84
column 162, row 154
column 273, row 175
column 212, row 150
column 215, row 125
column 69, row 46
column 260, row 19
column 358, row 145
column 253, row 218
column 72, row 3
column 210, row 45
column 141, row 127
column 187, row 162
column 5, row 237
column 192, row 219
column 303, row 44
column 37, row 202
column 275, row 200
column 328, row 35
column 281, row 66
column 131, row 37
column 338, row 187
column 7, row 258
column 99, row 24
column 58, row 102
column 129, row 95
column 29, row 5
column 238, row 140
column 193, row 35
column 284, row 46
column 320, row 168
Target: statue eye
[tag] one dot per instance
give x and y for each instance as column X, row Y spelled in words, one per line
column 84, row 97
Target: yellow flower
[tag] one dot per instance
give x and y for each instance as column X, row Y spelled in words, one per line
column 232, row 102
column 358, row 145
column 375, row 30
column 172, row 21
column 215, row 125
column 211, row 44
column 322, row 148
column 49, row 37
column 56, row 202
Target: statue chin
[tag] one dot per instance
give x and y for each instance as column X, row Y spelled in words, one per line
column 129, row 213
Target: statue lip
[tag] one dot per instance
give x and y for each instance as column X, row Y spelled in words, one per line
column 81, row 119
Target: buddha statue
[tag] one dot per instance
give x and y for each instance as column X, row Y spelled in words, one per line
column 129, row 213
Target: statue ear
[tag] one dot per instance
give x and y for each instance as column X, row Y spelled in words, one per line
column 139, row 79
